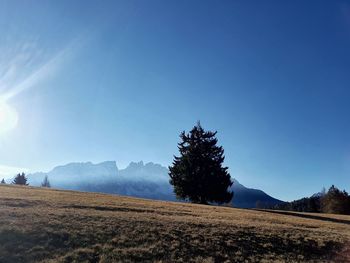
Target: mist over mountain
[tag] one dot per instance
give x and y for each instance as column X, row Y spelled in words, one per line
column 148, row 180
column 73, row 174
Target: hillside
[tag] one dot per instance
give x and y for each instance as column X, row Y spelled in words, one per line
column 148, row 180
column 47, row 225
column 245, row 197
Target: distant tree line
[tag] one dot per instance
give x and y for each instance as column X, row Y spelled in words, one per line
column 333, row 201
column 21, row 179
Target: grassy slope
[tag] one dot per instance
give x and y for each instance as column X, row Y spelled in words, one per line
column 50, row 225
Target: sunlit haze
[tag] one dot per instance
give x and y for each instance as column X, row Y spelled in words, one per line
column 119, row 80
column 8, row 118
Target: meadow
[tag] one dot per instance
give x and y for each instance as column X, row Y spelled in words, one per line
column 47, row 225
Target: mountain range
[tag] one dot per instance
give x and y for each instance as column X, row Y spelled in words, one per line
column 138, row 179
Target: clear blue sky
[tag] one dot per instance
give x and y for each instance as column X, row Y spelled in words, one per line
column 119, row 80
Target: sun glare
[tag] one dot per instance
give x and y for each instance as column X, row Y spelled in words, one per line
column 8, row 118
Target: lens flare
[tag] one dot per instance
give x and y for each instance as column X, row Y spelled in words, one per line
column 8, row 118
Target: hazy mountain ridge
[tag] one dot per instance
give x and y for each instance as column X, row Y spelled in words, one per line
column 249, row 197
column 146, row 180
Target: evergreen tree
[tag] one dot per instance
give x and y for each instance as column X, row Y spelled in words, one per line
column 20, row 179
column 197, row 174
column 336, row 201
column 3, row 181
column 45, row 182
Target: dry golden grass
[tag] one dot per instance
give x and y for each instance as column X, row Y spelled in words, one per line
column 65, row 226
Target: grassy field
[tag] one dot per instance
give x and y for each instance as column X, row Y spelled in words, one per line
column 64, row 226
